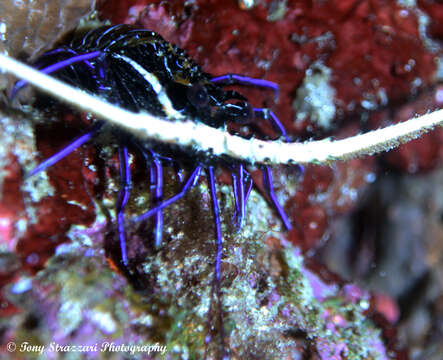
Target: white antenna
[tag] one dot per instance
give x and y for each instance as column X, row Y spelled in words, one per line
column 218, row 142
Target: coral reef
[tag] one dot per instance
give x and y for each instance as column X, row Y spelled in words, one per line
column 343, row 67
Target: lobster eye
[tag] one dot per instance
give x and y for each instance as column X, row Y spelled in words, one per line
column 198, row 95
column 240, row 112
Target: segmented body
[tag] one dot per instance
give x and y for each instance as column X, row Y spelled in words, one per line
column 140, row 71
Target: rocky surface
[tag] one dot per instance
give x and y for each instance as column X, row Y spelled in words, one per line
column 343, row 67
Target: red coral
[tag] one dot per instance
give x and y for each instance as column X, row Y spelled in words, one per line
column 434, row 9
column 373, row 48
column 71, row 202
column 421, row 154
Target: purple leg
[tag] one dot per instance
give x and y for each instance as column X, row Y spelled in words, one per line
column 192, row 181
column 216, row 211
column 241, row 195
column 123, row 197
column 157, row 196
column 217, row 273
column 58, row 66
column 180, row 175
column 235, row 191
column 65, row 151
column 175, row 165
column 59, row 51
column 267, row 177
column 167, row 161
column 73, row 60
column 275, row 122
column 234, row 79
column 248, row 192
column 156, row 180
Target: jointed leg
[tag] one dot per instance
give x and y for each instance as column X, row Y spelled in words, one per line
column 234, row 79
column 235, row 191
column 65, row 151
column 249, row 188
column 241, row 195
column 273, row 119
column 157, row 183
column 190, row 183
column 267, row 177
column 68, row 62
column 58, row 66
column 123, row 197
column 216, row 211
column 217, row 273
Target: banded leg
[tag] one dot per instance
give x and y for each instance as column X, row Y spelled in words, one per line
column 58, row 66
column 241, row 186
column 154, row 161
column 65, row 151
column 241, row 195
column 157, row 193
column 273, row 119
column 190, row 183
column 217, row 272
column 123, row 197
column 267, row 178
column 235, row 191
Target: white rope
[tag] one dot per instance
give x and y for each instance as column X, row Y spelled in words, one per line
column 218, row 142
